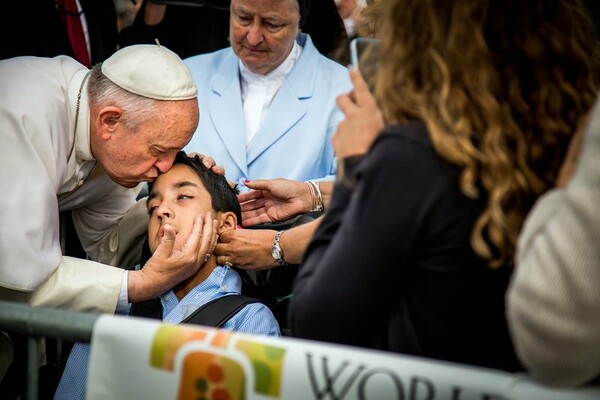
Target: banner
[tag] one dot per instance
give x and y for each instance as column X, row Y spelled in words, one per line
column 135, row 358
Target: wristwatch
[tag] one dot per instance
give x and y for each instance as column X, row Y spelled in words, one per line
column 277, row 251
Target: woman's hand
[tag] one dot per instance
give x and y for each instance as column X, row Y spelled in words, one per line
column 273, row 200
column 251, row 248
column 246, row 248
column 363, row 122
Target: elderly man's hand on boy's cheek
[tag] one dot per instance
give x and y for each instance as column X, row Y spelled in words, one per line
column 169, row 266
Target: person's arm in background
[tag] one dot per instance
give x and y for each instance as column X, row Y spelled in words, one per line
column 553, row 302
column 154, row 13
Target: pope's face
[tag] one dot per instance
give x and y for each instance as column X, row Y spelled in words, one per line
column 130, row 157
column 176, row 198
column 262, row 32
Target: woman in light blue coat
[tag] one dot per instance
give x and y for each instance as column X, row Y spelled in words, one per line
column 268, row 102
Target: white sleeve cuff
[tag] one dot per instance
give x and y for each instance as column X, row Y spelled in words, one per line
column 123, row 303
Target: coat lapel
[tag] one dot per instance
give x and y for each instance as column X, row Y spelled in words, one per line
column 288, row 106
column 284, row 113
column 226, row 110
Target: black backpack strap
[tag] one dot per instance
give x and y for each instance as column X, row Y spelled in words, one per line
column 218, row 311
column 150, row 309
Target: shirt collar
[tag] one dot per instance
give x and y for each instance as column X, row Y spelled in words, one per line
column 222, row 281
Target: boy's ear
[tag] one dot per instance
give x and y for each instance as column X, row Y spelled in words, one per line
column 227, row 221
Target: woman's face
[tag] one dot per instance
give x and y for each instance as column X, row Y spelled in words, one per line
column 262, row 32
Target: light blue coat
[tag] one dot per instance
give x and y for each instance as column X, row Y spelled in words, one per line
column 294, row 140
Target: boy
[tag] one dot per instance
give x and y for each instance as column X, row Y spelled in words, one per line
column 175, row 197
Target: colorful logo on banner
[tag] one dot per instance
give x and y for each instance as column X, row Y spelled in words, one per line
column 207, row 375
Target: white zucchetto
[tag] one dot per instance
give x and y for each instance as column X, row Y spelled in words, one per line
column 150, row 70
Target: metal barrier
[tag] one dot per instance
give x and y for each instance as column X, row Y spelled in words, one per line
column 298, row 369
column 38, row 322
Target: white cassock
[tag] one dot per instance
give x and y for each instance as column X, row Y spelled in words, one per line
column 37, row 123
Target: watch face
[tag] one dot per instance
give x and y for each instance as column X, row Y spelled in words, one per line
column 276, row 253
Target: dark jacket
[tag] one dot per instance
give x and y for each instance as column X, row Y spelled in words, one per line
column 391, row 266
column 38, row 29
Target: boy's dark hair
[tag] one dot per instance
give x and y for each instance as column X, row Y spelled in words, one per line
column 223, row 197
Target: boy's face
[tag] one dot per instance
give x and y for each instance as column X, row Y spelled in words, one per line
column 176, row 198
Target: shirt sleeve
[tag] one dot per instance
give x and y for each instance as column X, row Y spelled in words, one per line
column 123, row 305
column 29, row 228
column 553, row 299
column 74, row 286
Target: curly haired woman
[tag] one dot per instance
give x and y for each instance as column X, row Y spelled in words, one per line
column 480, row 100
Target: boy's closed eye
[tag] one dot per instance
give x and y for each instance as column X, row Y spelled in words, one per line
column 153, row 205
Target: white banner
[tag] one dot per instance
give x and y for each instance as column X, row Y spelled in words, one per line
column 134, row 358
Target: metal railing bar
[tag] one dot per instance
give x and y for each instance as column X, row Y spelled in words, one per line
column 40, row 322
column 46, row 322
column 32, row 368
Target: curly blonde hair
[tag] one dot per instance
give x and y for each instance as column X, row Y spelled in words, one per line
column 501, row 86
